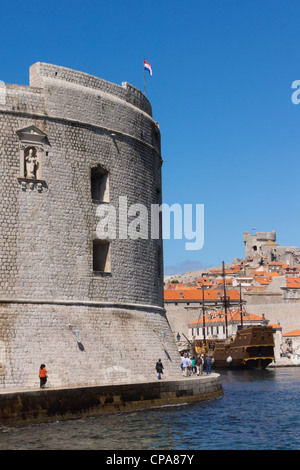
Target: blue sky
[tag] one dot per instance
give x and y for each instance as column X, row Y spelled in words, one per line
column 221, row 91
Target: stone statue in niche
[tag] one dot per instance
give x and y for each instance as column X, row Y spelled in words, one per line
column 31, row 163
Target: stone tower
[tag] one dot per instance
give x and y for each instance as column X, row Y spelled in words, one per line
column 92, row 310
column 255, row 242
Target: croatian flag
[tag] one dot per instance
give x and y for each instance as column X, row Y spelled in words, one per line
column 148, row 67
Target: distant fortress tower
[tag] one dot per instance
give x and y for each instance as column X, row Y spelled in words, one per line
column 254, row 243
column 92, row 310
column 264, row 244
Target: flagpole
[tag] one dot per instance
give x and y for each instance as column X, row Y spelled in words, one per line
column 144, row 77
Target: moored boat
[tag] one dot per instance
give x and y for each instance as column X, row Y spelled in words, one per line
column 251, row 347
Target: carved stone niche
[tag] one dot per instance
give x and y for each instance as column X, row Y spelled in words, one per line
column 32, row 142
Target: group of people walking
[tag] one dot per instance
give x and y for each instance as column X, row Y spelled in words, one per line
column 190, row 365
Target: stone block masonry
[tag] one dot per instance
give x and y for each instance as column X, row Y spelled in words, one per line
column 82, row 344
column 89, row 327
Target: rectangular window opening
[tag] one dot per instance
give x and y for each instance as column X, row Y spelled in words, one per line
column 100, row 184
column 101, row 256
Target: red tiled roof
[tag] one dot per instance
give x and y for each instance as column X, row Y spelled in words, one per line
column 204, row 280
column 292, row 333
column 274, row 274
column 196, row 294
column 218, row 317
column 275, row 325
column 255, row 288
column 263, row 280
column 293, row 282
column 221, row 281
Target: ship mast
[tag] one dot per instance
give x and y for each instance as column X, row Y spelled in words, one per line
column 203, row 314
column 225, row 299
column 241, row 305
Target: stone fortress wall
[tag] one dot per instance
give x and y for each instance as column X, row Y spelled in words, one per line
column 87, row 326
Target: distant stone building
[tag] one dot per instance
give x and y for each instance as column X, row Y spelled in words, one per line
column 92, row 310
column 264, row 244
column 255, row 242
column 291, row 345
column 291, row 290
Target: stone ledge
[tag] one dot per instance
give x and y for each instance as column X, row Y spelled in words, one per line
column 32, row 406
column 91, row 303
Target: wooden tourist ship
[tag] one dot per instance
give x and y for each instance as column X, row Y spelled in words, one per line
column 250, row 347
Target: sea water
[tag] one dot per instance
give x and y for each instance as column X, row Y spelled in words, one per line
column 259, row 411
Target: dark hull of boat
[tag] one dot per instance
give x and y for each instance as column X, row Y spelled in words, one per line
column 253, row 363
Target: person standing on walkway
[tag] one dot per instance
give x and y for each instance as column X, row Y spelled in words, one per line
column 43, row 375
column 181, row 365
column 193, row 368
column 189, row 368
column 208, row 364
column 199, row 365
column 185, row 365
column 202, row 363
column 159, row 368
